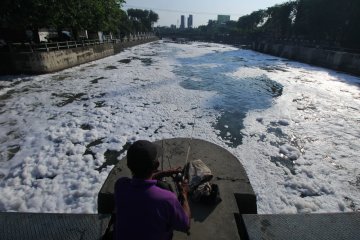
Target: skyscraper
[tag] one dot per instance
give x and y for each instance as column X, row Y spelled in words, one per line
column 190, row 21
column 182, row 24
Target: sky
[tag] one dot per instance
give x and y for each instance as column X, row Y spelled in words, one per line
column 202, row 10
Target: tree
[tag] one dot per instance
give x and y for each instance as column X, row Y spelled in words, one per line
column 252, row 22
column 96, row 15
column 279, row 22
column 330, row 22
column 19, row 14
column 351, row 33
column 142, row 20
column 153, row 17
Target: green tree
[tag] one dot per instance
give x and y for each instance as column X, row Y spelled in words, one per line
column 252, row 22
column 142, row 20
column 96, row 15
column 351, row 35
column 279, row 22
column 331, row 22
column 20, row 14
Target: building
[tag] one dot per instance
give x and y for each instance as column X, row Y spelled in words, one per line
column 173, row 26
column 182, row 24
column 190, row 21
column 222, row 19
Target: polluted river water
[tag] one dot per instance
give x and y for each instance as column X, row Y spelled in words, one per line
column 294, row 127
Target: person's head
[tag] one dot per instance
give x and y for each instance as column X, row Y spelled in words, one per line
column 142, row 159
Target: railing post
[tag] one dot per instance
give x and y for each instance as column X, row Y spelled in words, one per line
column 46, row 47
column 57, row 44
column 67, row 44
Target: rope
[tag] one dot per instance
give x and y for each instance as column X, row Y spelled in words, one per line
column 189, row 143
column 169, row 162
column 191, row 136
column 188, row 152
column 162, row 155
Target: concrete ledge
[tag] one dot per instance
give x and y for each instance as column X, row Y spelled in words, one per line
column 38, row 226
column 47, row 62
column 324, row 226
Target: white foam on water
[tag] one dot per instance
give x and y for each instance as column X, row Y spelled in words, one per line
column 300, row 154
column 319, row 141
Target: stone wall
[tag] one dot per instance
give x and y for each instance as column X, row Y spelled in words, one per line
column 46, row 62
column 340, row 61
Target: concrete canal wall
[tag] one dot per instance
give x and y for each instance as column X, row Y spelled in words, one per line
column 52, row 61
column 337, row 60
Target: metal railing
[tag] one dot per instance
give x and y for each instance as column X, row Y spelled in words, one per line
column 55, row 46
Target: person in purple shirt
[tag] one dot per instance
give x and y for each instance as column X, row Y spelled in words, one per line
column 144, row 210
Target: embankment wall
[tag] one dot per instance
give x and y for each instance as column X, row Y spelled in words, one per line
column 52, row 61
column 337, row 60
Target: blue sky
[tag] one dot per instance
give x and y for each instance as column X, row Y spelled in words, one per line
column 202, row 10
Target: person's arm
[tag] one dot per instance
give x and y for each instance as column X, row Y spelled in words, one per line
column 186, row 206
column 184, row 198
column 180, row 219
column 166, row 173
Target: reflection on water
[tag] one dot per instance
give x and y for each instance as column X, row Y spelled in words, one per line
column 236, row 95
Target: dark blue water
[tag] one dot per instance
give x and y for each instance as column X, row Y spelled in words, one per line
column 235, row 95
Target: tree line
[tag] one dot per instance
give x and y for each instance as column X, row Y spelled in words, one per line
column 332, row 21
column 91, row 15
column 321, row 22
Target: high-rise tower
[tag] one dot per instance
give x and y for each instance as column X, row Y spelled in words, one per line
column 182, row 24
column 190, row 21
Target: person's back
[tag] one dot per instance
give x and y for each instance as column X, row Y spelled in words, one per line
column 143, row 210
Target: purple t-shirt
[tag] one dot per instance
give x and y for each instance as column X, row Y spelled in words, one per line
column 145, row 211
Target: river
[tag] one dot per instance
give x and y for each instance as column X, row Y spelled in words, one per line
column 294, row 127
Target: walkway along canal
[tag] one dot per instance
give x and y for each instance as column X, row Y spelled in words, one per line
column 52, row 57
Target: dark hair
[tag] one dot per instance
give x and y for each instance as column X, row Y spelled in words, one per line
column 141, row 158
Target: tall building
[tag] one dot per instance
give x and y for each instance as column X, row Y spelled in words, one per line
column 222, row 19
column 182, row 24
column 190, row 21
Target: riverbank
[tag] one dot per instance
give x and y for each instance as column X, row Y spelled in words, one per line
column 53, row 61
column 336, row 60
